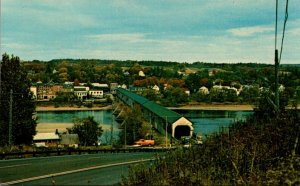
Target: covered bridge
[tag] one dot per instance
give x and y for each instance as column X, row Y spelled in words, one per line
column 161, row 118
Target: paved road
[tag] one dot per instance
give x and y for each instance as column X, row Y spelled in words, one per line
column 88, row 169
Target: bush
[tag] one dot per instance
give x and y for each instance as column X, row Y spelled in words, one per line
column 252, row 152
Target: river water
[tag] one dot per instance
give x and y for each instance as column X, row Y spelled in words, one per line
column 204, row 121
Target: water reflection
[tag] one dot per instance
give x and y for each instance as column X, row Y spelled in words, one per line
column 206, row 122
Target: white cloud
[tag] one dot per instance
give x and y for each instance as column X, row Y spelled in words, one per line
column 249, row 31
column 130, row 37
column 171, row 30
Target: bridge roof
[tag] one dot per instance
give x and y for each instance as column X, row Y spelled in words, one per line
column 153, row 107
column 137, row 98
column 162, row 112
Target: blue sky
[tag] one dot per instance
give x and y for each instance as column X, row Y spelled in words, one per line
column 221, row 31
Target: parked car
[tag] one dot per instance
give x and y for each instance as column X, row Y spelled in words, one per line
column 145, row 142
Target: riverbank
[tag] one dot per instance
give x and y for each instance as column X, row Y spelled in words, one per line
column 52, row 127
column 185, row 107
column 215, row 107
column 64, row 108
column 61, row 127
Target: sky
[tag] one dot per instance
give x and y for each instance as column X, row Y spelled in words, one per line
column 218, row 31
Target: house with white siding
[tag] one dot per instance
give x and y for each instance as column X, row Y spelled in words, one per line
column 204, row 90
column 96, row 93
column 81, row 92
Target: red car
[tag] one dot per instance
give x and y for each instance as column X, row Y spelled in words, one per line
column 144, row 142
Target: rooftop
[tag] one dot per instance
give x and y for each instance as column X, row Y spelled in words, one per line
column 46, row 136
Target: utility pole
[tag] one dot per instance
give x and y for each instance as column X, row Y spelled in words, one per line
column 10, row 118
column 111, row 129
column 276, row 81
column 125, row 134
column 0, row 73
column 166, row 131
column 276, row 63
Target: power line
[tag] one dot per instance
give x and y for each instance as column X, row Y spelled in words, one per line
column 284, row 26
column 277, row 61
column 276, row 20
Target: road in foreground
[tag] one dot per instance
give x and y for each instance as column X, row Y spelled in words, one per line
column 88, row 169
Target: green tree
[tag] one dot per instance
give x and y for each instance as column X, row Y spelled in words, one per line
column 250, row 94
column 216, row 95
column 174, row 96
column 201, row 97
column 230, row 95
column 88, row 130
column 14, row 78
column 133, row 126
column 195, row 81
column 150, row 94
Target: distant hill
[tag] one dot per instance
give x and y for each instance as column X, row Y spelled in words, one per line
column 291, row 65
column 129, row 63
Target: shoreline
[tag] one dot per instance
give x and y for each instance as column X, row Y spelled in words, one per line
column 52, row 108
column 185, row 107
column 226, row 107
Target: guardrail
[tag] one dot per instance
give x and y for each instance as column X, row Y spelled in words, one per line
column 59, row 152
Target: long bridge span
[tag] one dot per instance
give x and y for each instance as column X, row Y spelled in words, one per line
column 161, row 118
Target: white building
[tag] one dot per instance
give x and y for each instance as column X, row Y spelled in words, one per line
column 33, row 89
column 46, row 139
column 220, row 88
column 204, row 90
column 141, row 74
column 156, row 88
column 94, row 93
column 124, row 86
column 188, row 92
column 100, row 85
column 81, row 92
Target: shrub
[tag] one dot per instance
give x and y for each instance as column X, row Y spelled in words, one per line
column 253, row 152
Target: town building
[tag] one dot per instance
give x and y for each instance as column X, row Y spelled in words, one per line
column 81, row 92
column 95, row 93
column 48, row 91
column 46, row 139
column 33, row 89
column 203, row 90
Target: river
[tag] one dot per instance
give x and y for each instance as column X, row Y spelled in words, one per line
column 208, row 121
column 204, row 121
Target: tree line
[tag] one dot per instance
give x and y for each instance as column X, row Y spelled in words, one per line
column 177, row 75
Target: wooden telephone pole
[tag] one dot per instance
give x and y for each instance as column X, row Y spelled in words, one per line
column 276, row 64
column 276, row 82
column 10, row 118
